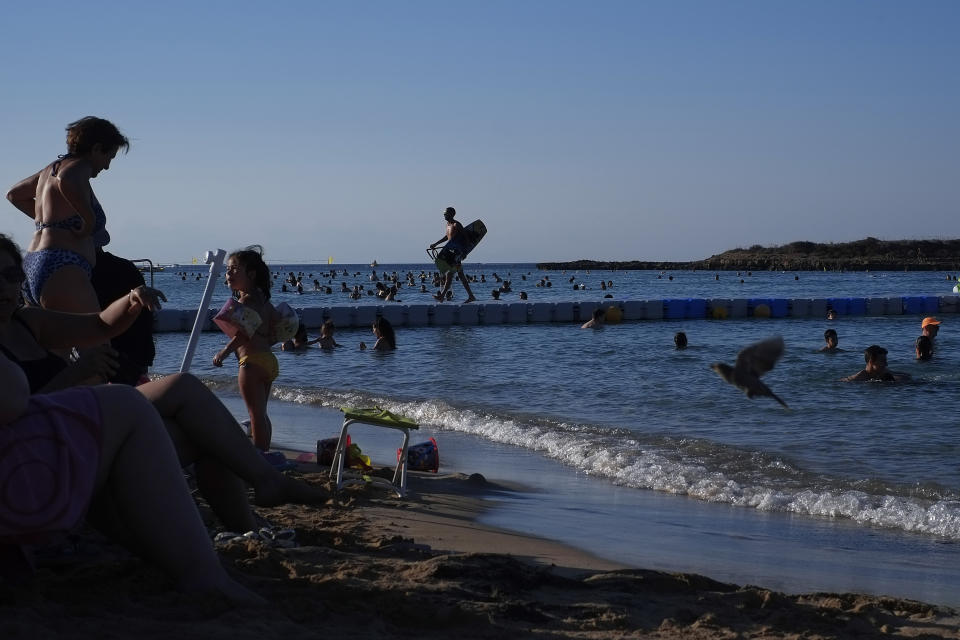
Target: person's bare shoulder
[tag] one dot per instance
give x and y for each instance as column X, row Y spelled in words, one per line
column 857, row 377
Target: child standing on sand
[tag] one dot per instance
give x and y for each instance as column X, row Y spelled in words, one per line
column 249, row 278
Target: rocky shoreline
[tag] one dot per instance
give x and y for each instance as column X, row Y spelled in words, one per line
column 869, row 254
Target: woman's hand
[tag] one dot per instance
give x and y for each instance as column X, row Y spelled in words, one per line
column 97, row 362
column 218, row 359
column 147, row 297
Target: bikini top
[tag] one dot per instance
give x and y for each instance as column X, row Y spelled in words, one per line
column 41, row 370
column 101, row 237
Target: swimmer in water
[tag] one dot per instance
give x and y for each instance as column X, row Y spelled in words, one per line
column 831, row 338
column 680, row 340
column 596, row 322
column 876, row 368
column 924, row 347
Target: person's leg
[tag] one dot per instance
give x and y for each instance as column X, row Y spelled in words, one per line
column 255, row 388
column 447, row 281
column 226, row 494
column 201, row 427
column 466, row 285
column 139, row 469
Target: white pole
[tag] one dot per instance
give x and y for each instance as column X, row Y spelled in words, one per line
column 215, row 260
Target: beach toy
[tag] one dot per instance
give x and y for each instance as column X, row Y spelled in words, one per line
column 422, row 457
column 234, row 318
column 286, row 324
column 613, row 315
column 357, row 460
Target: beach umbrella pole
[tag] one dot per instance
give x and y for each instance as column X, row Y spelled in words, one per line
column 215, row 260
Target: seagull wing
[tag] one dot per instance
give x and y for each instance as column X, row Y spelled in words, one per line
column 759, row 358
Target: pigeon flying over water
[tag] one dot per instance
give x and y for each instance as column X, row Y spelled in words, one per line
column 753, row 362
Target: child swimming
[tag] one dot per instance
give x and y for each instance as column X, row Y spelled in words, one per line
column 326, row 340
column 249, row 278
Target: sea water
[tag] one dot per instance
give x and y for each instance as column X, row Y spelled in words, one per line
column 611, row 426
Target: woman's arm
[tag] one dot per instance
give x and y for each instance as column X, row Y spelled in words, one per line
column 58, row 329
column 23, row 195
column 16, row 390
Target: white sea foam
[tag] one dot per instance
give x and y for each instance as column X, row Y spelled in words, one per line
column 679, row 467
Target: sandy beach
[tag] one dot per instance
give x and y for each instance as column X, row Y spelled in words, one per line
column 370, row 565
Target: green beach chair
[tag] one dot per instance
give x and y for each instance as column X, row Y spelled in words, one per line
column 379, row 418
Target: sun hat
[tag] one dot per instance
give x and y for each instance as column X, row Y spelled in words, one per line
column 928, row 321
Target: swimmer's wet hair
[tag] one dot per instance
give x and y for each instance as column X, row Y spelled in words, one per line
column 872, row 352
column 829, row 332
column 680, row 340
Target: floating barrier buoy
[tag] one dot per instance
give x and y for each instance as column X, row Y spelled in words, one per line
column 613, row 315
column 761, row 311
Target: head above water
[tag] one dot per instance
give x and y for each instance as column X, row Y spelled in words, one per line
column 382, row 328
column 874, row 354
column 680, row 340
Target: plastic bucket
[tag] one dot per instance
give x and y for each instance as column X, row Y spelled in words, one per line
column 422, row 457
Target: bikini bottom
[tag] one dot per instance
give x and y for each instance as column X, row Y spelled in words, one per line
column 40, row 265
column 265, row 360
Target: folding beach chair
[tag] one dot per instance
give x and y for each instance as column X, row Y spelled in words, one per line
column 379, row 418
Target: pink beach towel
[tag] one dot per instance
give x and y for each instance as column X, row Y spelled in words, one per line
column 48, row 465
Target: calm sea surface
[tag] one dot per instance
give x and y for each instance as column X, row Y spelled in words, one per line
column 622, row 406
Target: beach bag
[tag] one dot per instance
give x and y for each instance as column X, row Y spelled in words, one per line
column 326, row 449
column 422, row 457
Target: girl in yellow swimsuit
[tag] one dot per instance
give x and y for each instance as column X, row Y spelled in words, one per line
column 249, row 278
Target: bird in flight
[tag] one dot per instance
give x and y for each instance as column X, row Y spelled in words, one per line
column 753, row 362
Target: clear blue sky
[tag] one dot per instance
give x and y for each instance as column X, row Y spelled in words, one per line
column 611, row 130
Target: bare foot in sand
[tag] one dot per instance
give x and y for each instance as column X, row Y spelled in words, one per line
column 280, row 489
column 225, row 586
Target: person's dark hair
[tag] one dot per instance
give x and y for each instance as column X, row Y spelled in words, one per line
column 251, row 259
column 599, row 313
column 829, row 333
column 924, row 348
column 86, row 132
column 386, row 331
column 873, row 352
column 449, row 213
column 680, row 340
column 7, row 244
